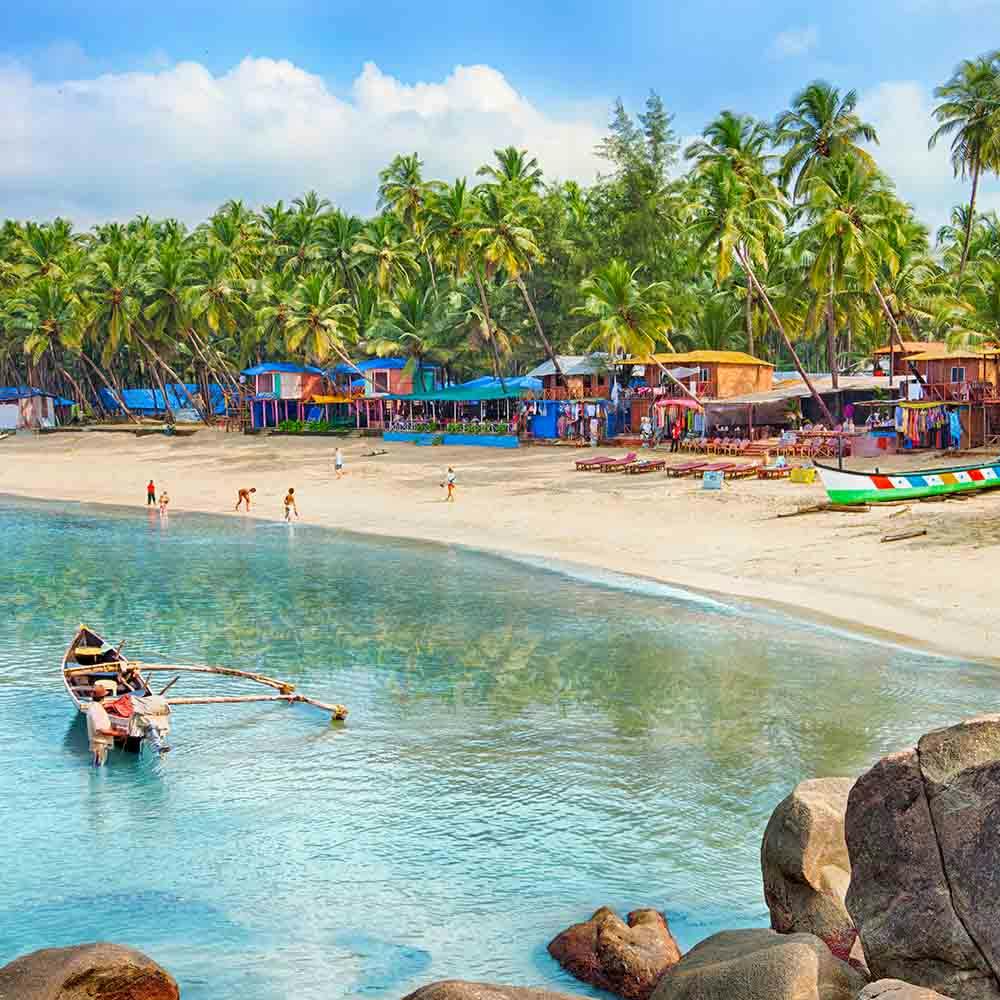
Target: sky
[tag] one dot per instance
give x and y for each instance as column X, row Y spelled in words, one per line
column 112, row 108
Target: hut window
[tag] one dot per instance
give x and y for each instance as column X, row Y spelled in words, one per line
column 958, row 374
column 380, row 381
column 265, row 383
column 705, row 375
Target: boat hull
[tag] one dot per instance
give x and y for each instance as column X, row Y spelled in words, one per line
column 843, row 486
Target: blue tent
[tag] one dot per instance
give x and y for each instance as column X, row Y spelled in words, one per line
column 149, row 402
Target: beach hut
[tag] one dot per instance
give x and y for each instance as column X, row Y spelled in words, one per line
column 284, row 390
column 373, row 381
column 27, row 408
column 897, row 359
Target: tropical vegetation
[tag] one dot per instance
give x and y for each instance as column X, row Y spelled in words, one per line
column 783, row 239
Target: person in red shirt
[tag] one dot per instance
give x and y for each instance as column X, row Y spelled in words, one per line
column 150, row 494
column 675, row 435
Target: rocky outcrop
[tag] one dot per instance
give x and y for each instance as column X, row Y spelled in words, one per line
column 923, row 832
column 623, row 958
column 806, row 866
column 760, row 965
column 86, row 972
column 459, row 989
column 896, row 989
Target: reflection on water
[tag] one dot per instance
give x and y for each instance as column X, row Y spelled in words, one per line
column 522, row 748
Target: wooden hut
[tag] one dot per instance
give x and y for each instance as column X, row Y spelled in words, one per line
column 901, row 358
column 26, row 408
column 283, row 390
column 371, row 382
column 580, row 376
column 964, row 374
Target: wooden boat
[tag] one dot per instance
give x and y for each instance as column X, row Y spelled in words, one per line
column 844, row 486
column 90, row 659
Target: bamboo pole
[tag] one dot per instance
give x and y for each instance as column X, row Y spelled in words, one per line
column 337, row 711
column 282, row 686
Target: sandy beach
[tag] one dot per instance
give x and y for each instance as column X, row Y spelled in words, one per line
column 935, row 591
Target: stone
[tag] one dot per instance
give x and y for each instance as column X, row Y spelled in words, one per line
column 760, row 965
column 805, row 864
column 459, row 989
column 86, row 972
column 924, row 841
column 896, row 989
column 623, row 958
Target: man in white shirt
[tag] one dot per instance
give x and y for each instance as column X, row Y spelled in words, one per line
column 99, row 731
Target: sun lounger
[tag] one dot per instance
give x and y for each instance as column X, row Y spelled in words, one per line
column 583, row 464
column 743, row 471
column 618, row 464
column 774, row 471
column 686, row 468
column 718, row 467
column 648, row 465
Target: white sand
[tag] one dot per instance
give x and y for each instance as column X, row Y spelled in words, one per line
column 937, row 591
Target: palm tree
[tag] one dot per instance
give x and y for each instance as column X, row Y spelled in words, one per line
column 450, row 216
column 740, row 140
column 391, row 256
column 716, row 327
column 969, row 113
column 737, row 223
column 513, row 169
column 820, row 125
column 319, row 323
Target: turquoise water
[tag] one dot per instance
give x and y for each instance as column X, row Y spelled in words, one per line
column 523, row 747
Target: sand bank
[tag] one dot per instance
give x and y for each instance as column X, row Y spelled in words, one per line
column 936, row 591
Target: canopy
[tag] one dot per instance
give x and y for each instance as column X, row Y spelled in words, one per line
column 333, row 399
column 478, row 389
column 573, row 364
column 684, row 404
column 286, row 367
column 148, row 401
column 9, row 394
column 380, row 364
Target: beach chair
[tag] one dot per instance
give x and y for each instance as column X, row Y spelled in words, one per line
column 774, row 471
column 686, row 468
column 648, row 465
column 584, row 464
column 743, row 471
column 717, row 467
column 618, row 464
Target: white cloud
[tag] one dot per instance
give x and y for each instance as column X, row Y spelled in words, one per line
column 901, row 113
column 180, row 140
column 795, row 42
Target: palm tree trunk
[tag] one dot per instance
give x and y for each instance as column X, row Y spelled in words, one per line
column 784, row 336
column 80, row 397
column 201, row 413
column 894, row 328
column 489, row 326
column 538, row 326
column 168, row 410
column 748, row 320
column 972, row 216
column 831, row 334
column 115, row 394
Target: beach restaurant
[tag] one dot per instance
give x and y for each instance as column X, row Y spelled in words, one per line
column 285, row 390
column 371, row 382
column 26, row 408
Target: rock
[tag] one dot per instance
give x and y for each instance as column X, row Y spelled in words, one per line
column 896, row 989
column 760, row 965
column 924, row 840
column 458, row 989
column 623, row 958
column 86, row 972
column 806, row 866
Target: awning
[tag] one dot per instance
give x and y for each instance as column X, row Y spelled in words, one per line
column 333, row 399
column 683, row 404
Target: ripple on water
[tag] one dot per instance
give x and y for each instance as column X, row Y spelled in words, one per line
column 523, row 747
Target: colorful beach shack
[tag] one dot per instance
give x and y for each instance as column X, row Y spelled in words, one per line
column 581, row 389
column 373, row 382
column 285, row 390
column 896, row 356
column 24, row 407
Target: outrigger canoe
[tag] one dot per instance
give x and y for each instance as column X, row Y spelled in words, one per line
column 138, row 713
column 844, row 486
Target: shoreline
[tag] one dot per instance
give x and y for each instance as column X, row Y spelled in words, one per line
column 388, row 499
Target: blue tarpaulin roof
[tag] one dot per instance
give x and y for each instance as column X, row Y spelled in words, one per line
column 151, row 400
column 486, row 387
column 10, row 393
column 381, row 364
column 288, row 367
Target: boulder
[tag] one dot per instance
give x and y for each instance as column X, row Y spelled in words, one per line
column 86, row 972
column 806, row 866
column 623, row 958
column 459, row 989
column 760, row 965
column 923, row 832
column 896, row 989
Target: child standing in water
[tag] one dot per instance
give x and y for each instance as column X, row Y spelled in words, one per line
column 290, row 504
column 164, row 503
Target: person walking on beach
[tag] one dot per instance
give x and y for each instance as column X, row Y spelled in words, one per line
column 675, row 435
column 99, row 731
column 290, row 504
column 164, row 503
column 150, row 494
column 338, row 462
column 243, row 496
column 449, row 484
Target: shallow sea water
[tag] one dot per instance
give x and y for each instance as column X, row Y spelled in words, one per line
column 523, row 747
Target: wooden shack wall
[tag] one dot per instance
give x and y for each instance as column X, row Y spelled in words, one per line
column 740, row 380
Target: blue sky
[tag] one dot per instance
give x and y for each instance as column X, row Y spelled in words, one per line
column 122, row 106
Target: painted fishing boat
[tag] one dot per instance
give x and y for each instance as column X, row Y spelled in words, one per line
column 844, row 486
column 137, row 713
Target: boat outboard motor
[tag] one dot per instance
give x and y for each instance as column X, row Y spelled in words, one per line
column 151, row 719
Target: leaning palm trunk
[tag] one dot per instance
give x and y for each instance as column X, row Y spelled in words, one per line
column 167, row 408
column 779, row 326
column 538, row 326
column 748, row 320
column 489, row 328
column 80, row 397
column 201, row 412
column 894, row 328
column 831, row 335
column 115, row 394
column 972, row 217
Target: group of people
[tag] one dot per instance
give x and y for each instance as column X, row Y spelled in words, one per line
column 151, row 498
column 652, row 437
